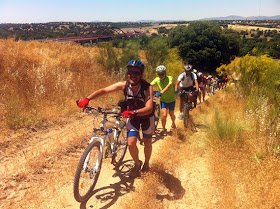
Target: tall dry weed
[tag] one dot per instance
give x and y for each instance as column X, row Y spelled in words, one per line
column 40, row 81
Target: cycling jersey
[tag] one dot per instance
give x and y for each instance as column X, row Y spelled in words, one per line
column 135, row 102
column 169, row 95
column 138, row 101
column 187, row 81
column 147, row 125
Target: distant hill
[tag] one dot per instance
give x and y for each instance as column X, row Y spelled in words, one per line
column 235, row 17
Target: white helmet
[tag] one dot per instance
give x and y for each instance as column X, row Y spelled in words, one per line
column 161, row 69
column 188, row 67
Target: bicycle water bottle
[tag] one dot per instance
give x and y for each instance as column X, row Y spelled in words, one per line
column 111, row 139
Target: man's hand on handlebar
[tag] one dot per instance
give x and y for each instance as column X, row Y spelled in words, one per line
column 129, row 114
column 83, row 103
column 158, row 94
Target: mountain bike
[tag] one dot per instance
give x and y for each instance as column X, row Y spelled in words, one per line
column 156, row 109
column 100, row 144
column 156, row 114
column 187, row 105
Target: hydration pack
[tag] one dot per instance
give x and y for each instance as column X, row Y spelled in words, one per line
column 138, row 101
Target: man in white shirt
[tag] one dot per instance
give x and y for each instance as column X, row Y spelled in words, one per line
column 187, row 80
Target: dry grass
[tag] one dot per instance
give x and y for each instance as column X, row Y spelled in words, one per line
column 237, row 176
column 162, row 182
column 244, row 27
column 244, row 172
column 41, row 81
column 43, row 172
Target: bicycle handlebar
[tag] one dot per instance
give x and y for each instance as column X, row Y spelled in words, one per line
column 100, row 110
column 187, row 92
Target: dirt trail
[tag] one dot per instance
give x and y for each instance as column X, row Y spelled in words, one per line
column 53, row 184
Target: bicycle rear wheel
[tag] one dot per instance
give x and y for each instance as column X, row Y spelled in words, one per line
column 120, row 147
column 88, row 171
column 157, row 115
column 186, row 115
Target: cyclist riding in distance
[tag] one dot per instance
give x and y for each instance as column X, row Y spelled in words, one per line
column 186, row 80
column 138, row 110
column 167, row 96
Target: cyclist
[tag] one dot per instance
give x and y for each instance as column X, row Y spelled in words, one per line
column 138, row 111
column 167, row 96
column 186, row 80
column 202, row 80
column 209, row 80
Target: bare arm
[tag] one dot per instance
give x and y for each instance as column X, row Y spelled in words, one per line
column 177, row 84
column 165, row 89
column 196, row 84
column 106, row 90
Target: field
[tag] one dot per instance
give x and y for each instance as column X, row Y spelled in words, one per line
column 245, row 27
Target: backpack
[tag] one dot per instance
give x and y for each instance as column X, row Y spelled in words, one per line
column 199, row 79
column 135, row 103
column 144, row 86
column 192, row 77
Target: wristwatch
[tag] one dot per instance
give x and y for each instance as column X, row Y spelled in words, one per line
column 135, row 112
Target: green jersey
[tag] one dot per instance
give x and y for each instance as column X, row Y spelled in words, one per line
column 169, row 95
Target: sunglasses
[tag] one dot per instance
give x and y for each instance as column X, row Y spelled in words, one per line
column 160, row 74
column 130, row 72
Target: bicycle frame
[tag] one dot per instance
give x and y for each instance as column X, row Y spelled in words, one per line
column 102, row 129
column 186, row 95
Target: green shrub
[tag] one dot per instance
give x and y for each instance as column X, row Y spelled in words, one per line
column 225, row 129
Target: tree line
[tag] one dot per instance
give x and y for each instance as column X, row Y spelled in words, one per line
column 204, row 44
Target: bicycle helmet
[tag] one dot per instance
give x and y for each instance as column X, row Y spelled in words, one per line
column 188, row 67
column 137, row 64
column 161, row 69
column 194, row 70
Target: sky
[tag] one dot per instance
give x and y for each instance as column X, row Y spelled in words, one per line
column 42, row 11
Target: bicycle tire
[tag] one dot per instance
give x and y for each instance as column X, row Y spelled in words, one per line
column 186, row 115
column 93, row 150
column 157, row 115
column 120, row 147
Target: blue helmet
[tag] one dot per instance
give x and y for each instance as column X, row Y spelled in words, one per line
column 137, row 64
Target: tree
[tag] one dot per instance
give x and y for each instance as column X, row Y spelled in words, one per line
column 204, row 44
column 156, row 52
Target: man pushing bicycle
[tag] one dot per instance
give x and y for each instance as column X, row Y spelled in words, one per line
column 187, row 80
column 138, row 108
column 167, row 96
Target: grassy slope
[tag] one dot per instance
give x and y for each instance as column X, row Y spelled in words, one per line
column 199, row 170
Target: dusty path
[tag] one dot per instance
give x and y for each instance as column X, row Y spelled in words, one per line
column 51, row 184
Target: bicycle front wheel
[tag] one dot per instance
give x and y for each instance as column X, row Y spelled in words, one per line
column 157, row 115
column 88, row 171
column 186, row 114
column 120, row 147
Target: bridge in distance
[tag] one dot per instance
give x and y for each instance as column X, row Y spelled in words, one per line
column 101, row 34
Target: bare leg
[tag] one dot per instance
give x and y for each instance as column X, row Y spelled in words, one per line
column 147, row 149
column 133, row 149
column 163, row 117
column 171, row 113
